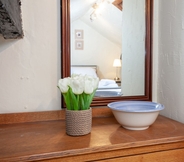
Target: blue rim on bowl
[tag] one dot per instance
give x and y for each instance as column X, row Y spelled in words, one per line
column 136, row 106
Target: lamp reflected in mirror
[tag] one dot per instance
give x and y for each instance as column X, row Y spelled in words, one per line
column 117, row 65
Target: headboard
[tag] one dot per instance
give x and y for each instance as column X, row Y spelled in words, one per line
column 84, row 69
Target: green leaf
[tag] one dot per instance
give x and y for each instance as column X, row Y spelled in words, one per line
column 89, row 99
column 73, row 100
column 77, row 103
column 82, row 105
column 67, row 101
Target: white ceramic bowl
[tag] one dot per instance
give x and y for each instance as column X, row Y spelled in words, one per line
column 135, row 115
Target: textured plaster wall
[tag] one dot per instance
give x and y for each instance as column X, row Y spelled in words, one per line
column 171, row 58
column 30, row 67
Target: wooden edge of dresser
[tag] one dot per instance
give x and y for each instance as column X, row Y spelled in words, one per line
column 25, row 117
column 106, row 152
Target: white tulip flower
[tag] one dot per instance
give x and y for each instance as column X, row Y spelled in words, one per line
column 77, row 84
column 91, row 84
column 63, row 85
column 78, row 91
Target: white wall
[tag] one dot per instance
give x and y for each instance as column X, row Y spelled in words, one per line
column 30, row 67
column 133, row 47
column 98, row 50
column 171, row 58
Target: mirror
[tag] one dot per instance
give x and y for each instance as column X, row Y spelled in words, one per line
column 72, row 34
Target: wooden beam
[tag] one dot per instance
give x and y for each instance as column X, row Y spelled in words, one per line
column 10, row 19
column 118, row 4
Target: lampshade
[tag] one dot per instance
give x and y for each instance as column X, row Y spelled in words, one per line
column 117, row 63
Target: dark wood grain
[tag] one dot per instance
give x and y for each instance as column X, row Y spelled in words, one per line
column 48, row 140
column 164, row 156
column 12, row 118
column 31, row 117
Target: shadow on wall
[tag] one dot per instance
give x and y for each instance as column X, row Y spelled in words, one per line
column 5, row 43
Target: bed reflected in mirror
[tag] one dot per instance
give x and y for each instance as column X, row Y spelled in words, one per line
column 106, row 87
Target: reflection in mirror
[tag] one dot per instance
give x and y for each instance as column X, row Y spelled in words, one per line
column 133, row 47
column 100, row 25
column 111, row 40
column 100, row 33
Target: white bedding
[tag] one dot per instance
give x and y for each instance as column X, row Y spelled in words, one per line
column 103, row 83
column 107, row 83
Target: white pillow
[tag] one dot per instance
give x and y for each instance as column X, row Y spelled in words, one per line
column 83, row 71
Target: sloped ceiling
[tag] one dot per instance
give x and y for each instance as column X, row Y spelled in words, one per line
column 108, row 22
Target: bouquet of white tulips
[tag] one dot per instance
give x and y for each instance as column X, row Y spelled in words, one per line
column 78, row 91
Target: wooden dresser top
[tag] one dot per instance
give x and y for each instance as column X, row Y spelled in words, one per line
column 48, row 139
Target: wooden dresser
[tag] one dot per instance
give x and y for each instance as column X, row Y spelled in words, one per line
column 108, row 141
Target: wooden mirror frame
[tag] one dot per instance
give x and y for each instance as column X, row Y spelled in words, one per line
column 65, row 54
